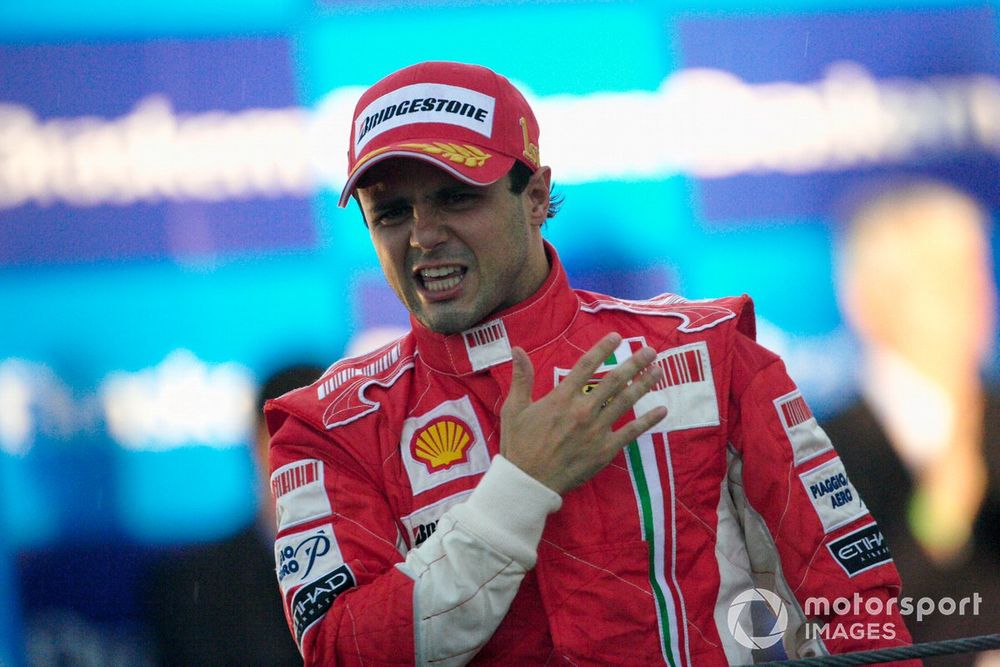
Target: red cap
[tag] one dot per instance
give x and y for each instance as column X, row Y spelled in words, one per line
column 465, row 119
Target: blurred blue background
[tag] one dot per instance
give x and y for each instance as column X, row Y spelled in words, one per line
column 169, row 233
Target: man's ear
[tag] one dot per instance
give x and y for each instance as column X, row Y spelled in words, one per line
column 538, row 193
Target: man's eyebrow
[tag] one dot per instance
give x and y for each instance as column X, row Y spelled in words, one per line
column 387, row 202
column 380, row 205
column 449, row 190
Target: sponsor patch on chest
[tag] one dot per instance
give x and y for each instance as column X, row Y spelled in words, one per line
column 687, row 388
column 835, row 499
column 422, row 523
column 442, row 445
column 299, row 493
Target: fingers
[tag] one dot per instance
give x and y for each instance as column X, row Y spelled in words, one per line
column 637, row 427
column 615, row 382
column 590, row 362
column 522, row 381
column 620, row 402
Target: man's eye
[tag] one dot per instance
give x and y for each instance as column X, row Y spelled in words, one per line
column 392, row 216
column 459, row 198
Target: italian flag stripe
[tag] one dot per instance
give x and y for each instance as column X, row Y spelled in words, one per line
column 650, row 534
column 647, row 458
column 678, row 616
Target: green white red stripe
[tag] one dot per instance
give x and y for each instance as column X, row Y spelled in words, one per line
column 651, row 471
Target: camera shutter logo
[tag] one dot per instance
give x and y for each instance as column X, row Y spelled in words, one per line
column 742, row 603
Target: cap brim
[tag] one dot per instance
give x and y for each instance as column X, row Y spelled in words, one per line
column 469, row 164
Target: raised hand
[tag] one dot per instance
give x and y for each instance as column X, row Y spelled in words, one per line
column 566, row 437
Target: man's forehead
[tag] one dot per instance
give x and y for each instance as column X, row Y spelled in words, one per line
column 397, row 173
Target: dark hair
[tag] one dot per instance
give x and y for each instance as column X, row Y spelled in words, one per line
column 520, row 174
column 286, row 379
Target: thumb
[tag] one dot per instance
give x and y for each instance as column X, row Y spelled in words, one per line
column 522, row 381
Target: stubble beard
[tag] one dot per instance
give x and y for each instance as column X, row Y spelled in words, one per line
column 445, row 318
column 448, row 323
column 442, row 317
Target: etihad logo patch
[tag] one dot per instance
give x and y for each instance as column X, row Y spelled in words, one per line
column 312, row 601
column 487, row 345
column 835, row 499
column 443, row 444
column 425, row 103
column 860, row 550
column 312, row 570
column 803, row 431
column 299, row 493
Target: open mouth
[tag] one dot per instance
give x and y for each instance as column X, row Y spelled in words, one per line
column 441, row 279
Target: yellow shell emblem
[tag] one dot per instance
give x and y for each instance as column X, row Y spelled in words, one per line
column 442, row 443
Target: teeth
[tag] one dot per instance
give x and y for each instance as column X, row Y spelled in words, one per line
column 439, row 271
column 441, row 285
column 441, row 278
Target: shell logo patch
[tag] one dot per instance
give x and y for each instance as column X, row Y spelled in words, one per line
column 442, row 443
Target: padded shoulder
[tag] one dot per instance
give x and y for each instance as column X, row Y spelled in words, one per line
column 338, row 397
column 693, row 315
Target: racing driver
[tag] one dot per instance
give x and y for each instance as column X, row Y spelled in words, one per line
column 540, row 475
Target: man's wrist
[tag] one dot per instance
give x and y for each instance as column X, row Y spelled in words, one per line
column 508, row 510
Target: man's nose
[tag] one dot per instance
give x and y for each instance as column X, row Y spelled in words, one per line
column 428, row 230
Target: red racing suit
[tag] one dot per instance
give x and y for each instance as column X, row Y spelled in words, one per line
column 405, row 538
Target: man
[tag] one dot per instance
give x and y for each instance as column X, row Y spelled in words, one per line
column 924, row 439
column 535, row 474
column 215, row 604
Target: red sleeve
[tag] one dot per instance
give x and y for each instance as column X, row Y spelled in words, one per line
column 832, row 561
column 345, row 602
